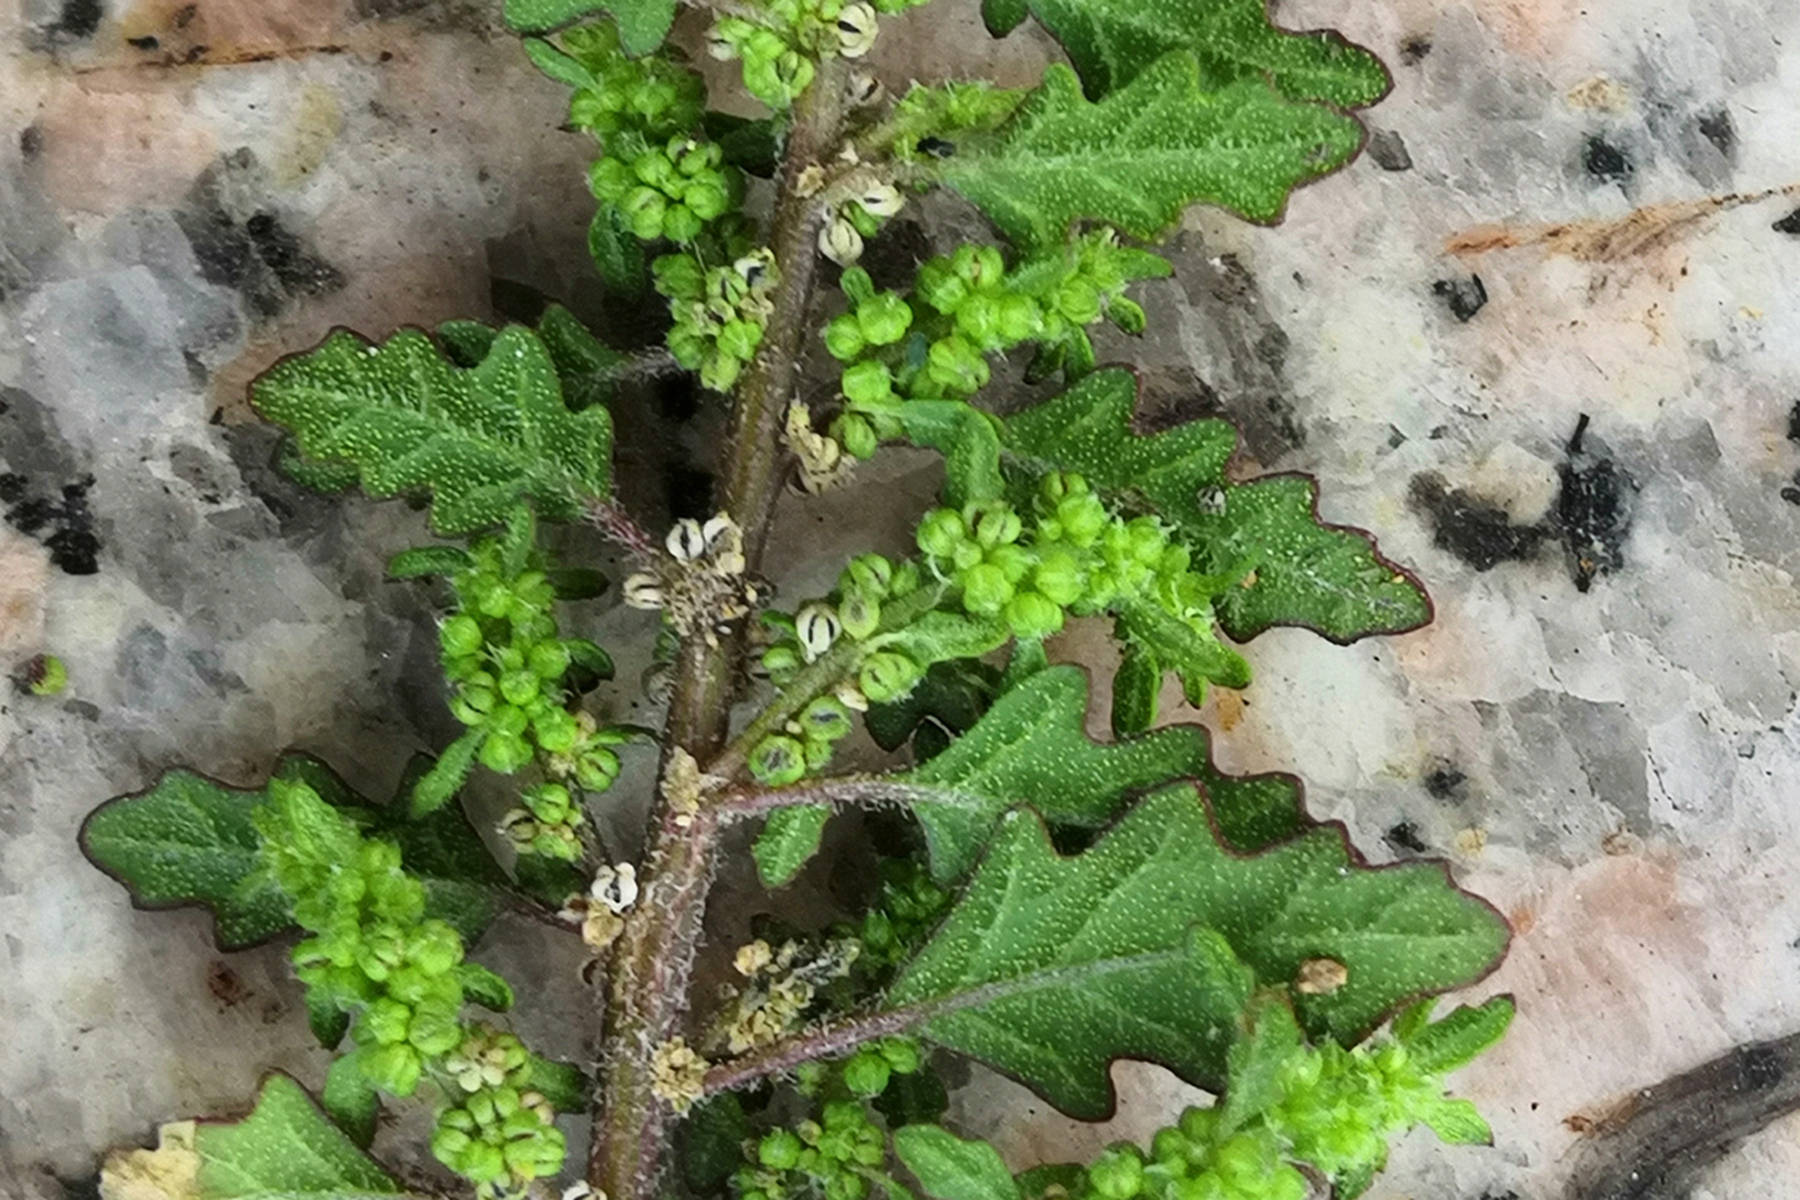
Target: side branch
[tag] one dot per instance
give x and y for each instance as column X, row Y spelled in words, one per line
column 840, row 791
column 831, row 1040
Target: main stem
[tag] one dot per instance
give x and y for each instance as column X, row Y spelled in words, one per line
column 652, row 965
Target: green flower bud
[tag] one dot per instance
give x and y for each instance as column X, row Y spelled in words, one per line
column 955, row 364
column 484, row 1163
column 548, row 802
column 1199, row 1124
column 870, row 573
column 985, row 589
column 434, row 947
column 1059, row 576
column 981, row 266
column 779, row 1150
column 519, row 687
column 385, row 1021
column 844, row 338
column 434, row 1035
column 1118, row 1174
column 941, row 287
column 778, row 760
column 494, row 599
column 825, row 719
column 1033, row 615
column 395, row 1069
column 1082, row 517
column 609, row 179
column 644, row 208
column 868, row 384
column 740, row 339
column 994, row 523
column 679, row 276
column 902, row 1054
column 1079, row 301
column 778, row 660
column 941, row 532
column 460, row 636
column 596, row 769
column 508, row 719
column 860, row 613
column 1020, row 319
column 1169, row 1147
column 720, row 371
column 680, row 223
column 906, row 580
column 866, row 1073
column 979, row 321
column 556, row 730
column 887, row 676
column 856, row 434
column 504, row 753
column 884, row 318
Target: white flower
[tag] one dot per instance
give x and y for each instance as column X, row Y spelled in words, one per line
column 840, row 242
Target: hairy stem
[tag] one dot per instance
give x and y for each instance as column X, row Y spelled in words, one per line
column 837, row 791
column 651, row 969
column 830, row 1040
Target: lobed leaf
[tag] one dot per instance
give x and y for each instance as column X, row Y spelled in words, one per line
column 953, row 1168
column 1031, row 747
column 1111, row 41
column 1290, row 567
column 643, row 24
column 477, row 439
column 189, row 840
column 1139, row 157
column 1327, row 578
column 1149, row 945
column 285, row 1149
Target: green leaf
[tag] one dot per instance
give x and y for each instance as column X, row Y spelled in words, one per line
column 1145, row 153
column 940, row 636
column 912, row 1099
column 479, row 440
column 643, row 24
column 286, row 1149
column 1137, row 686
column 557, row 65
column 1110, row 41
column 712, row 1142
column 1457, row 1123
column 586, row 367
column 1148, row 945
column 446, row 777
column 953, row 1168
column 466, row 342
column 328, row 1022
column 954, row 693
column 1032, row 747
column 1004, row 16
column 485, row 987
column 1257, row 1062
column 1279, row 565
column 350, row 1100
column 1089, row 429
column 562, row 1084
column 190, row 840
column 1190, row 648
column 788, row 839
column 422, row 562
column 1326, row 578
column 968, row 440
column 617, row 253
column 1458, row 1039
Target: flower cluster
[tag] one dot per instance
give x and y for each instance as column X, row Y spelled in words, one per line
column 1075, row 557
column 883, row 675
column 836, row 1154
column 372, row 951
column 503, row 655
column 905, row 912
column 966, row 307
column 781, row 985
column 668, row 189
column 631, row 102
column 720, row 312
column 501, row 1135
column 781, row 41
